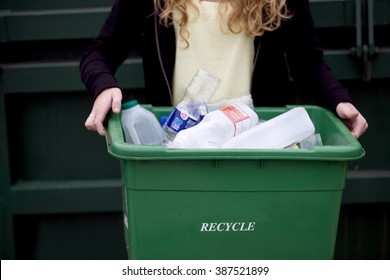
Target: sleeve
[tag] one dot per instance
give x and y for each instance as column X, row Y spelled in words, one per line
column 107, row 52
column 306, row 62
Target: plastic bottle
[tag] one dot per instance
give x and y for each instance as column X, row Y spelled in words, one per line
column 192, row 108
column 311, row 142
column 277, row 133
column 217, row 127
column 140, row 126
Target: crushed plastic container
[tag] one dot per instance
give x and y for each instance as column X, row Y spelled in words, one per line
column 234, row 204
column 217, row 127
column 279, row 132
column 193, row 107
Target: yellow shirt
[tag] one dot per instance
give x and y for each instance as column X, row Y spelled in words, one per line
column 213, row 47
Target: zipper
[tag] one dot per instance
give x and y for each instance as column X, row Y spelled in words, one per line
column 160, row 58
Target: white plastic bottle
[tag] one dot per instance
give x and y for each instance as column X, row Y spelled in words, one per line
column 192, row 108
column 217, row 127
column 284, row 130
column 139, row 125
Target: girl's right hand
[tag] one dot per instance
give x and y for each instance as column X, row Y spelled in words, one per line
column 110, row 98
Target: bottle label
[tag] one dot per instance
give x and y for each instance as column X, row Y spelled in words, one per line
column 240, row 120
column 179, row 120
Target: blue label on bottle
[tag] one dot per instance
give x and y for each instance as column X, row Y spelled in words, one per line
column 179, row 120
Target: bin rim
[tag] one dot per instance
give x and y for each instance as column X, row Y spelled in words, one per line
column 118, row 148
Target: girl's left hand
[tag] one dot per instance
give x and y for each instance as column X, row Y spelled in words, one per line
column 352, row 118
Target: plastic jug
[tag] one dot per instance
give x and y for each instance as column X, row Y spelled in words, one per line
column 140, row 126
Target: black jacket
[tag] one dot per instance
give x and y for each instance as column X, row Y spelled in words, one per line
column 291, row 52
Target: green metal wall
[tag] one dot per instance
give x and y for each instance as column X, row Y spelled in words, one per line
column 60, row 195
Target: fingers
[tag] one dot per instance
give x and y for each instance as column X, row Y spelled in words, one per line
column 90, row 122
column 352, row 119
column 116, row 101
column 99, row 125
column 347, row 111
column 359, row 127
column 108, row 99
column 95, row 123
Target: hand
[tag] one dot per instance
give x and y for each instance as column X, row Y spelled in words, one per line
column 352, row 118
column 109, row 98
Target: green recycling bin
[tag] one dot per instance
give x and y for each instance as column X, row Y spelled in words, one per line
column 234, row 204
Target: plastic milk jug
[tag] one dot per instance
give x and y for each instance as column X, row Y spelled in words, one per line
column 139, row 125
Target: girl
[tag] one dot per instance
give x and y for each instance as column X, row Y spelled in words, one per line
column 256, row 47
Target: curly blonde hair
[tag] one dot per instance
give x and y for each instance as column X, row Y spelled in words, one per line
column 254, row 17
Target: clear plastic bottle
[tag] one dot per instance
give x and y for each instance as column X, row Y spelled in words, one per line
column 193, row 107
column 282, row 131
column 311, row 142
column 139, row 125
column 217, row 127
